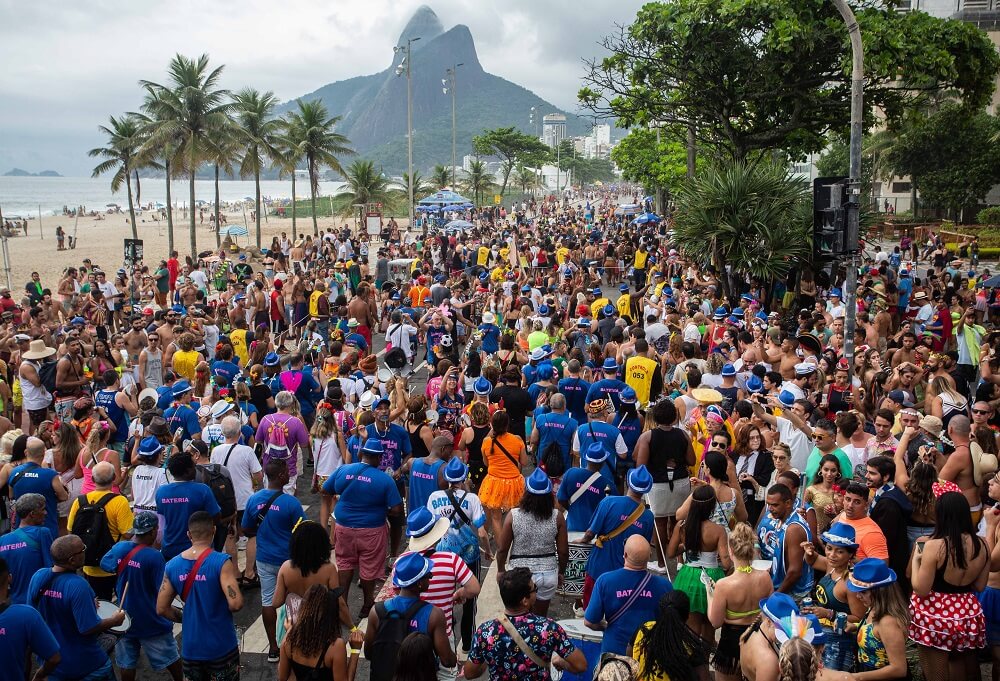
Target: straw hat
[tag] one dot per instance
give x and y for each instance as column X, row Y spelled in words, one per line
column 983, row 464
column 38, row 350
column 425, row 529
column 707, row 395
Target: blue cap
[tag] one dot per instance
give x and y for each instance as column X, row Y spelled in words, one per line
column 721, row 312
column 411, row 568
column 728, row 370
column 150, row 446
column 628, row 396
column 835, row 293
column 610, row 364
column 179, row 309
column 568, row 272
column 372, row 446
column 144, row 522
column 455, row 471
column 583, row 322
column 525, row 289
column 543, row 310
column 439, row 277
column 870, row 573
column 609, row 310
column 482, row 386
column 778, row 606
column 840, row 534
column 538, row 483
column 596, row 453
column 669, row 301
column 623, row 288
column 786, row 398
column 597, row 291
column 904, row 272
column 657, row 274
column 78, row 320
column 271, row 359
column 180, row 387
column 639, row 480
column 733, row 319
column 483, row 276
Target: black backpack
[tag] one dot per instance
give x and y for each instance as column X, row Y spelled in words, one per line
column 91, row 526
column 221, row 486
column 47, row 375
column 393, row 627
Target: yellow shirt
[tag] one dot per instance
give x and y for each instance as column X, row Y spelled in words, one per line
column 483, row 256
column 598, row 305
column 238, row 337
column 186, row 360
column 497, row 274
column 639, row 373
column 640, row 259
column 119, row 517
column 314, row 303
column 624, row 305
column 561, row 254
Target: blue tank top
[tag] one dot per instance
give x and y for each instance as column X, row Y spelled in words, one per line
column 117, row 415
column 776, row 539
column 208, row 623
column 419, row 622
column 423, row 482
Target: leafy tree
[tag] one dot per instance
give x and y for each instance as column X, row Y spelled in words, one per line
column 121, row 155
column 421, row 187
column 950, row 156
column 526, row 178
column 316, row 141
column 162, row 141
column 836, row 160
column 441, row 176
column 288, row 159
column 478, row 181
column 190, row 109
column 222, row 154
column 256, row 130
column 365, row 184
column 747, row 75
column 641, row 159
column 755, row 217
column 511, row 146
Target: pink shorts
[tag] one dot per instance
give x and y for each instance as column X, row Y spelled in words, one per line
column 362, row 548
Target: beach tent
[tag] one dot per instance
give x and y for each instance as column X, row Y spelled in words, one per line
column 445, row 197
column 646, row 218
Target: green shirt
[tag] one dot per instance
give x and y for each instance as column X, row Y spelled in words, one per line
column 162, row 277
column 812, row 465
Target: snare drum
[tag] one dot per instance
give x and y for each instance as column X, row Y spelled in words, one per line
column 588, row 641
column 108, row 639
column 576, row 566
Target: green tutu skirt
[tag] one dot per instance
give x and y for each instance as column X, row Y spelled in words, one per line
column 688, row 580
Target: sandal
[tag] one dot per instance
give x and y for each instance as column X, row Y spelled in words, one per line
column 249, row 582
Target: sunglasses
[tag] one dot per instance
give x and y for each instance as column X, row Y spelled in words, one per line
column 981, row 411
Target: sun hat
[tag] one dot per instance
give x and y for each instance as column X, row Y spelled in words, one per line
column 157, row 427
column 870, row 573
column 538, row 483
column 598, row 406
column 149, row 446
column 38, row 350
column 482, row 386
column 728, row 370
column 180, row 387
column 983, row 464
column 456, row 470
column 489, row 318
column 147, row 393
column 804, row 369
column 219, row 408
column 596, row 453
column 372, row 446
column 367, row 399
column 777, row 607
column 920, row 295
column 411, row 568
column 639, row 480
column 22, row 338
column 144, row 522
column 840, row 535
column 610, row 364
column 932, row 424
column 353, row 323
column 425, row 529
column 707, row 395
column 628, row 396
column 537, row 355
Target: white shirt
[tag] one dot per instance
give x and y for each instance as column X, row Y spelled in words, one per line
column 795, row 390
column 402, row 337
column 440, row 505
column 327, row 455
column 620, row 446
column 798, row 443
column 200, row 279
column 109, row 291
column 242, row 465
column 146, row 480
column 692, row 334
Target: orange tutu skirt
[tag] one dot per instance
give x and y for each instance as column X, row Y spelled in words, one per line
column 501, row 493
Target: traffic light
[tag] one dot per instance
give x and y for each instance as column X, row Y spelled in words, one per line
column 830, row 216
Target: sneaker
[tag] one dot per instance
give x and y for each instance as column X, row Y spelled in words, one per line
column 656, row 569
column 273, row 657
column 578, row 611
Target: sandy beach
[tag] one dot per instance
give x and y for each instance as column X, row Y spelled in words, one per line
column 102, row 241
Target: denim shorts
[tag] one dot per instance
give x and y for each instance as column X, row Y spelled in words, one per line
column 268, row 581
column 161, row 651
column 103, row 673
column 546, row 582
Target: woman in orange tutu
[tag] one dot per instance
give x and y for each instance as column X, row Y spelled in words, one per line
column 503, row 485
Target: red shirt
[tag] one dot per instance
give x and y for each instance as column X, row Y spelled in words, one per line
column 277, row 306
column 173, row 268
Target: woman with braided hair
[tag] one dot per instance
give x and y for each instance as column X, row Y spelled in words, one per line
column 798, row 660
column 666, row 648
column 314, row 649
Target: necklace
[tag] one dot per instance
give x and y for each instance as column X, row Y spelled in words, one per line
column 379, row 432
column 745, row 568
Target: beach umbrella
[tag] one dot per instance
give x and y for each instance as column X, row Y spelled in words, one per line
column 646, row 218
column 459, row 224
column 992, row 282
column 445, row 197
column 234, row 231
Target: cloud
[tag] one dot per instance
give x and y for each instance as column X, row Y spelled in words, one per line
column 66, row 71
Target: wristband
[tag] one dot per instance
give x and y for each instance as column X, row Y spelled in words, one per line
column 353, row 652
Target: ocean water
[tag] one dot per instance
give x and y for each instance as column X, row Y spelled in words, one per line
column 22, row 196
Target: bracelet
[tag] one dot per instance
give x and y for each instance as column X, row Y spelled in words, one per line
column 353, row 652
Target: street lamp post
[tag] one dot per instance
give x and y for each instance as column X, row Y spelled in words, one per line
column 405, row 67
column 449, row 86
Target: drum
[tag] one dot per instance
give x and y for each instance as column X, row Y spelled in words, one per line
column 109, row 638
column 589, row 642
column 576, row 566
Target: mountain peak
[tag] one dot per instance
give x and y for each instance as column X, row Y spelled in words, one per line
column 424, row 24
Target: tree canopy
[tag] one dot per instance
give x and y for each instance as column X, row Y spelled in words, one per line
column 651, row 164
column 512, row 147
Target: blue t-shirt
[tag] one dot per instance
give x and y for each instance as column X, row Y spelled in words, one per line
column 575, row 390
column 607, row 435
column 30, row 477
column 366, row 495
column 117, row 415
column 610, row 513
column 905, row 287
column 357, row 340
column 209, row 632
column 558, row 428
column 491, row 338
column 395, row 445
column 66, row 603
column 275, row 533
column 26, row 551
column 145, row 573
column 611, row 591
column 608, row 388
column 631, row 429
column 579, row 514
column 421, row 619
column 225, row 369
column 423, row 482
column 22, row 628
column 182, row 417
column 176, row 502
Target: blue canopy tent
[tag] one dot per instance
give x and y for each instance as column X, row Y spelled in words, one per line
column 628, row 210
column 441, row 201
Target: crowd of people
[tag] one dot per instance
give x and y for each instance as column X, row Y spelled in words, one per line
column 687, row 457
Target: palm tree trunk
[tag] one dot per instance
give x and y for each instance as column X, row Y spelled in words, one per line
column 295, row 234
column 218, row 239
column 192, row 225
column 313, row 185
column 170, row 212
column 256, row 181
column 138, row 188
column 131, row 206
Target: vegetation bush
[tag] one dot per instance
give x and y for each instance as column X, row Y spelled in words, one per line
column 989, row 216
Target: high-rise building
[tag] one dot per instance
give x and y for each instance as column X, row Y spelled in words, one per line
column 553, row 129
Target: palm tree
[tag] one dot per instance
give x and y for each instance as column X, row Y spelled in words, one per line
column 121, row 155
column 441, row 176
column 222, row 154
column 257, row 133
column 421, row 187
column 160, row 146
column 288, row 159
column 526, row 178
column 754, row 217
column 478, row 181
column 193, row 109
column 318, row 143
column 365, row 184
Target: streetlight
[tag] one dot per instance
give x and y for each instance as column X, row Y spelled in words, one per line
column 449, row 86
column 405, row 67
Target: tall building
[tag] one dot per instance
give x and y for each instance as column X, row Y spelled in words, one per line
column 553, row 129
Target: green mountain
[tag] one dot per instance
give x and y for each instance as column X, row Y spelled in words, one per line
column 374, row 106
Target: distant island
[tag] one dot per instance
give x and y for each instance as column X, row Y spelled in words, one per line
column 17, row 172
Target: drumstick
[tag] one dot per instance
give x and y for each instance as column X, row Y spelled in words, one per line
column 121, row 601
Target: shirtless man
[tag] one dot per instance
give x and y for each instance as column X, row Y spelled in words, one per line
column 363, row 308
column 67, row 291
column 166, row 327
column 135, row 340
column 788, row 358
column 70, row 378
column 260, row 305
column 905, row 353
column 239, row 309
column 958, row 465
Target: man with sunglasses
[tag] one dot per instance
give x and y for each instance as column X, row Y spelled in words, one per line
column 150, row 362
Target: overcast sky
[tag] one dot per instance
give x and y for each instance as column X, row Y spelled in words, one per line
column 67, row 66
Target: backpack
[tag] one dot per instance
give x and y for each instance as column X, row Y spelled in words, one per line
column 393, row 627
column 276, row 443
column 47, row 375
column 221, row 486
column 91, row 526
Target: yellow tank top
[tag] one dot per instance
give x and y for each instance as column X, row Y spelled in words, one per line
column 640, row 259
column 639, row 376
column 482, row 255
column 314, row 303
column 597, row 306
column 185, row 362
column 624, row 305
column 239, row 339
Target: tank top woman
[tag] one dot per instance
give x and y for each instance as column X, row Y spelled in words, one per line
column 87, row 462
column 534, row 542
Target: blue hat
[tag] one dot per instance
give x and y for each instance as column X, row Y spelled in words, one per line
column 786, row 398
column 379, row 401
column 596, row 453
column 411, row 568
column 543, row 310
column 243, row 256
column 623, row 288
column 568, row 272
column 777, row 607
column 610, row 364
column 728, row 370
column 733, row 319
column 657, row 274
column 143, row 522
column 180, row 387
column 150, row 446
column 78, row 320
column 754, row 384
column 538, row 483
column 482, row 386
column 396, row 296
column 271, row 359
column 179, row 309
column 372, row 446
column 721, row 312
column 669, row 301
column 738, row 312
column 762, row 316
column 597, row 291
column 667, row 291
column 628, row 396
column 455, row 471
column 420, row 522
column 609, row 310
column 537, row 355
column 439, row 277
column 525, row 289
column 746, row 296
column 904, row 272
column 840, row 534
column 483, row 276
column 583, row 322
column 870, row 573
column 835, row 293
column 639, row 480
column 819, row 636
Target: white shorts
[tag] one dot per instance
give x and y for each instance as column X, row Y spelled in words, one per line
column 663, row 501
column 545, row 584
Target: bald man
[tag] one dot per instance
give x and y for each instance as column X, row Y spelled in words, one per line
column 66, row 603
column 625, row 599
